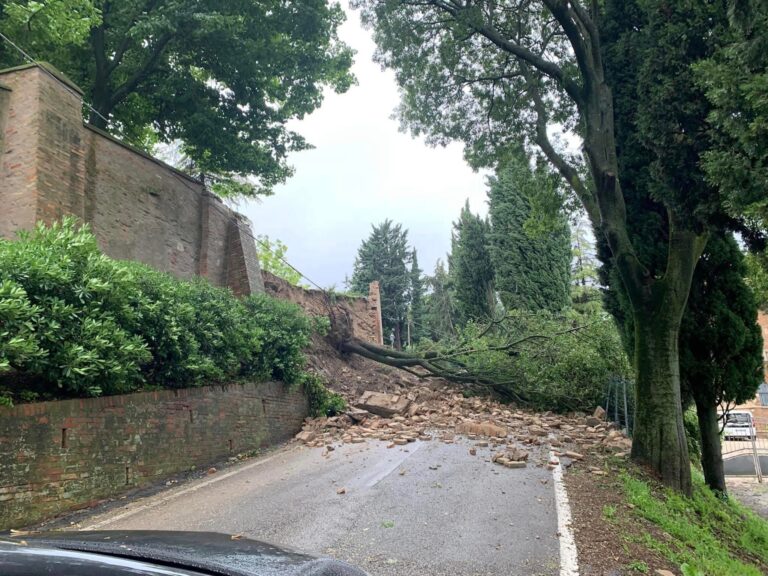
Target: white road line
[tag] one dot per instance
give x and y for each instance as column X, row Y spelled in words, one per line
column 569, row 562
column 387, row 471
column 156, row 502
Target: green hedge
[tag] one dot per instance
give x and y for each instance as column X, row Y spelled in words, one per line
column 75, row 323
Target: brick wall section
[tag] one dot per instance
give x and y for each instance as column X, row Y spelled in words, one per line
column 59, row 456
column 358, row 310
column 138, row 207
column 762, row 320
column 18, row 164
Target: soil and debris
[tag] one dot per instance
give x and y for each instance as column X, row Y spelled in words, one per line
column 435, row 411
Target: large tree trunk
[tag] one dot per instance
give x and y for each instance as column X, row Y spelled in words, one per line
column 659, row 436
column 711, row 449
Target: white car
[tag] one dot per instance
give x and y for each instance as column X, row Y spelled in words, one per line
column 739, row 425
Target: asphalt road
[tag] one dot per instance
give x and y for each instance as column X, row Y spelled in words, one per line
column 448, row 513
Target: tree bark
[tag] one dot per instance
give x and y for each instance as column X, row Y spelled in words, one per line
column 711, row 449
column 658, row 438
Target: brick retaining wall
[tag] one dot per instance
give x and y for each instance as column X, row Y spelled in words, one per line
column 63, row 455
column 53, row 165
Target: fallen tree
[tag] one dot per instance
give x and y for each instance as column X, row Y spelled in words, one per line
column 533, row 360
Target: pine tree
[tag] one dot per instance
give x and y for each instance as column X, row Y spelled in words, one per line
column 532, row 266
column 471, row 268
column 385, row 256
column 417, row 313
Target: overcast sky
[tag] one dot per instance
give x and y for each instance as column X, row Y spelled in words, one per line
column 362, row 171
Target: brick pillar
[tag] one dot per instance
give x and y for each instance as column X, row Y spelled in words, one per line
column 18, row 162
column 374, row 304
column 243, row 271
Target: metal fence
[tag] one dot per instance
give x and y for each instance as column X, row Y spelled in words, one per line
column 619, row 403
column 742, row 456
column 747, row 454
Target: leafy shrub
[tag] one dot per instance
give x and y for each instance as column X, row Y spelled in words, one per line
column 322, row 402
column 76, row 323
column 692, row 435
column 78, row 314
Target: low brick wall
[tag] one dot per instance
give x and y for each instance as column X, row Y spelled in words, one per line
column 59, row 456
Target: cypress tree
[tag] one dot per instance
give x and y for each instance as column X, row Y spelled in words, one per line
column 532, row 267
column 471, row 268
column 417, row 318
column 384, row 256
column 720, row 346
column 440, row 304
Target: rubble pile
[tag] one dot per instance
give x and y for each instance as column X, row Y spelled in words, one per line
column 438, row 413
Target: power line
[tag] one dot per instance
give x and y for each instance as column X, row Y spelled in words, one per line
column 42, row 67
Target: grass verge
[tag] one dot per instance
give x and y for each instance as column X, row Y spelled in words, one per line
column 707, row 536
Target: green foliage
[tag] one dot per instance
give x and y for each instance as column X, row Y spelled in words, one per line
column 272, row 259
column 585, row 279
column 45, row 26
column 384, row 256
column 532, row 267
column 322, row 402
column 735, row 80
column 441, row 314
column 708, row 534
column 757, row 277
column 556, row 363
column 417, row 316
column 76, row 323
column 76, row 319
column 721, row 345
column 638, row 566
column 692, row 435
column 224, row 78
column 470, row 267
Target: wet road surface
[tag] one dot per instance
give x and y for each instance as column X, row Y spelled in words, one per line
column 427, row 509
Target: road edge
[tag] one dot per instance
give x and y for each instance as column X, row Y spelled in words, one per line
column 569, row 561
column 151, row 501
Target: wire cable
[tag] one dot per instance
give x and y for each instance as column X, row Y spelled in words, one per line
column 42, row 67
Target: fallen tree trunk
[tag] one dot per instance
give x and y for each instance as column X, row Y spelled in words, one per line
column 431, row 365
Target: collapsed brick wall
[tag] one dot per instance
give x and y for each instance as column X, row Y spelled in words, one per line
column 63, row 455
column 52, row 165
column 359, row 313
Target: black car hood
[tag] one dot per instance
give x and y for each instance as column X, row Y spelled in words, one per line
column 206, row 552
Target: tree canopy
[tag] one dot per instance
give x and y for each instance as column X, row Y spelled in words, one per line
column 272, row 259
column 532, row 267
column 224, row 78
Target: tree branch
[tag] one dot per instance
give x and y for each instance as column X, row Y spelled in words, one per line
column 524, row 54
column 568, row 172
column 120, row 52
column 130, row 85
